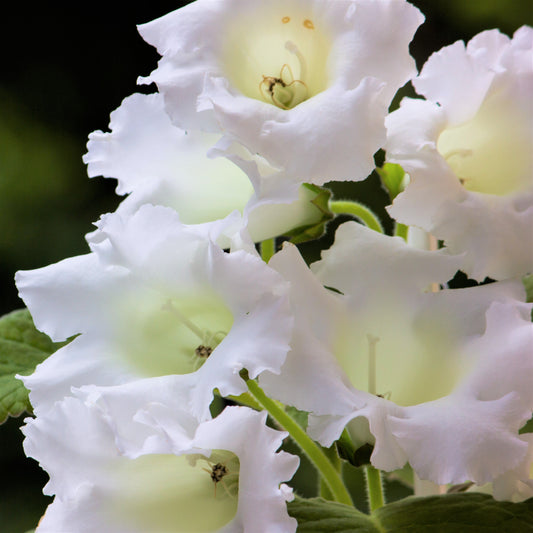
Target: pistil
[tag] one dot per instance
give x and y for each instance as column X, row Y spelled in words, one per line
column 372, row 341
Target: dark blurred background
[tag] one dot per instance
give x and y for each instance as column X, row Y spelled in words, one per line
column 63, row 70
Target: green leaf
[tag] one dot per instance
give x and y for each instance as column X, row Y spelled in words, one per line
column 450, row 513
column 320, row 199
column 455, row 513
column 392, row 176
column 22, row 348
column 317, row 515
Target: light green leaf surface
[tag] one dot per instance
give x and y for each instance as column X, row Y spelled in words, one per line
column 22, row 348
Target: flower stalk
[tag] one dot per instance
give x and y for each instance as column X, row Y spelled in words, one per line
column 329, row 473
column 363, row 213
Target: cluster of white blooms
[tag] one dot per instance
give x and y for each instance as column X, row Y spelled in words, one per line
column 173, row 306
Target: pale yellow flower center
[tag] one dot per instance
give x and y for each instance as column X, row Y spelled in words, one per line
column 492, row 152
column 395, row 357
column 278, row 55
column 178, row 494
column 159, row 336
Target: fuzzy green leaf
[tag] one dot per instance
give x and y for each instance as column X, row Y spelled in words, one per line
column 455, row 513
column 317, row 515
column 22, row 348
column 451, row 513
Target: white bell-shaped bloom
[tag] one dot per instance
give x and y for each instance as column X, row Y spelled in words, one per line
column 305, row 84
column 157, row 298
column 440, row 379
column 159, row 163
column 224, row 475
column 468, row 149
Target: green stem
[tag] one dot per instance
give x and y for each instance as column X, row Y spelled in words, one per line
column 374, row 487
column 363, row 213
column 401, row 230
column 334, row 459
column 268, row 249
column 315, row 454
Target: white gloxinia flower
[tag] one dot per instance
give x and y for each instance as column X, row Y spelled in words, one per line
column 294, row 81
column 468, row 150
column 439, row 379
column 223, row 476
column 159, row 163
column 157, row 298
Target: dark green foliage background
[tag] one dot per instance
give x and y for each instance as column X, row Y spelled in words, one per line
column 63, row 71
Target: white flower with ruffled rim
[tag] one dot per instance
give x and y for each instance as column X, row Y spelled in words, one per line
column 157, row 298
column 224, row 475
column 159, row 163
column 468, row 151
column 294, row 81
column 440, row 379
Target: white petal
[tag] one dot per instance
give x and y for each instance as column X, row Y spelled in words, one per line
column 456, row 363
column 517, row 484
column 181, row 292
column 468, row 153
column 212, row 84
column 457, row 438
column 164, row 165
column 98, row 488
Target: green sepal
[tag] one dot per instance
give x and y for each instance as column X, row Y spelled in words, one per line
column 392, row 176
column 450, row 513
column 22, row 348
column 315, row 230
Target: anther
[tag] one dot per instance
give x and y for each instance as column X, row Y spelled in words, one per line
column 203, row 351
column 218, row 471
